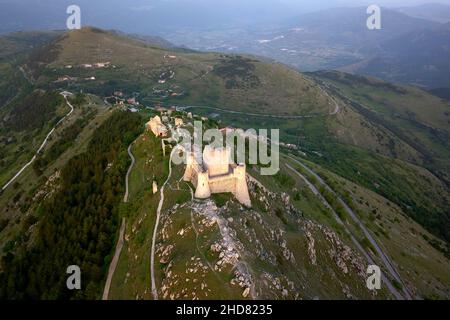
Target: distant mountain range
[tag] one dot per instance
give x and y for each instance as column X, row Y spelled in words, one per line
column 406, row 50
column 412, row 46
column 421, row 57
column 433, row 11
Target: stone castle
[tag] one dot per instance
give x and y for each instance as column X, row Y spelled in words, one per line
column 217, row 174
column 157, row 127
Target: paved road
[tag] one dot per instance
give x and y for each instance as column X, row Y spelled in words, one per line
column 385, row 259
column 274, row 116
column 316, row 192
column 335, row 111
column 251, row 114
column 44, row 143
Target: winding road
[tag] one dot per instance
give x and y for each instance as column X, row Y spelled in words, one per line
column 385, row 259
column 274, row 116
column 44, row 143
column 133, row 161
column 155, row 230
column 335, row 111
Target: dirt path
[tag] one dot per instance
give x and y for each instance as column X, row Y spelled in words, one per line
column 44, row 143
column 115, row 260
column 133, row 161
column 26, row 76
column 120, row 241
column 155, row 231
column 201, row 254
column 385, row 259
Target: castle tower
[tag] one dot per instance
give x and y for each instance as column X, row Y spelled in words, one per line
column 203, row 191
column 217, row 160
column 241, row 190
column 189, row 167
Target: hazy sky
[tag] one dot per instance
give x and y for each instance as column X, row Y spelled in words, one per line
column 387, row 3
column 153, row 16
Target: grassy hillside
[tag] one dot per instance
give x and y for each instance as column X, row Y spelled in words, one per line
column 417, row 118
column 38, row 181
column 382, row 148
column 392, row 228
column 80, row 217
column 233, row 82
column 273, row 239
column 20, row 42
column 417, row 190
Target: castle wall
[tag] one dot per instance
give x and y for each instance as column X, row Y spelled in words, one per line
column 223, row 185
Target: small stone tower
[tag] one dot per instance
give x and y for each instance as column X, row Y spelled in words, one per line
column 241, row 190
column 188, row 174
column 202, row 190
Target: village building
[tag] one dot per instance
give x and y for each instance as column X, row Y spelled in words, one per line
column 157, row 127
column 217, row 174
column 65, row 78
column 101, row 64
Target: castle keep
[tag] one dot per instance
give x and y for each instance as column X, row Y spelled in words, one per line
column 217, row 174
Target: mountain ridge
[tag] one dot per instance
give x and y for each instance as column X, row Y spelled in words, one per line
column 378, row 152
